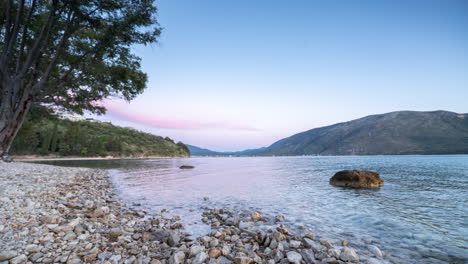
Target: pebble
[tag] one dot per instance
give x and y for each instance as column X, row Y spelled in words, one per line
column 256, row 216
column 295, row 244
column 349, row 254
column 294, row 257
column 200, row 258
column 243, row 260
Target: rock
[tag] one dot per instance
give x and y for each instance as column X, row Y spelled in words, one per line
column 115, row 233
column 200, row 258
column 344, row 243
column 322, row 255
column 373, row 261
column 19, row 259
column 357, row 179
column 214, row 243
column 316, row 247
column 376, row 251
column 100, row 212
column 104, row 255
column 331, row 260
column 74, row 222
column 146, row 236
column 283, row 230
column 244, row 225
column 294, row 244
column 6, row 255
column 62, row 228
column 90, row 257
column 36, row 256
column 273, row 244
column 308, row 256
column 294, row 257
column 214, row 253
column 280, row 218
column 226, row 250
column 184, row 167
column 174, row 239
column 49, row 219
column 349, row 254
column 31, row 248
column 177, row 258
column 115, row 259
column 195, row 249
column 326, row 243
column 334, row 252
column 159, row 235
column 7, row 158
column 256, row 216
column 278, row 236
column 309, row 236
column 243, row 260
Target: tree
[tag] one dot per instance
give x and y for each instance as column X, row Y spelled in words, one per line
column 69, row 54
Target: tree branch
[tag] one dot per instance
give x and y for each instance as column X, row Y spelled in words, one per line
column 10, row 45
column 69, row 29
column 19, row 59
column 34, row 52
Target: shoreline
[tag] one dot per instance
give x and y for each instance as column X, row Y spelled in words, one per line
column 28, row 158
column 55, row 214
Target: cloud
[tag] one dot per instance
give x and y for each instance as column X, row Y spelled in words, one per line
column 117, row 109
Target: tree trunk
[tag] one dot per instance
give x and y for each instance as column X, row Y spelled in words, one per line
column 10, row 124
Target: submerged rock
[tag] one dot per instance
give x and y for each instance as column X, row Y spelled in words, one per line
column 357, row 179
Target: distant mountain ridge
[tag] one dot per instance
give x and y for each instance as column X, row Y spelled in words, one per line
column 197, row 151
column 401, row 132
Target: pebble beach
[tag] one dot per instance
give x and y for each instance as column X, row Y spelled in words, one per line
column 52, row 214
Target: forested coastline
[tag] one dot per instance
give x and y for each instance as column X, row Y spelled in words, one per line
column 44, row 133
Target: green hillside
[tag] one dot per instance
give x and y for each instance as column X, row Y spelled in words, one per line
column 45, row 134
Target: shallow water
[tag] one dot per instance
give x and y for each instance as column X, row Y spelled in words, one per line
column 419, row 216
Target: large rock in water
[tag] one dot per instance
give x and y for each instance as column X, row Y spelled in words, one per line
column 357, row 179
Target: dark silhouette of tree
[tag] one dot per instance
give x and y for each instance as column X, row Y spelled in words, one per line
column 69, row 54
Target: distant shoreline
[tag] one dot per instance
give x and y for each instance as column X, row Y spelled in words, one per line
column 53, row 158
column 26, row 158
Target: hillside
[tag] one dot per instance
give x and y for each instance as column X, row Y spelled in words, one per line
column 403, row 132
column 45, row 134
column 197, row 151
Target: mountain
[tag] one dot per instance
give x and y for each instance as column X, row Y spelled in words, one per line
column 197, row 151
column 402, row 132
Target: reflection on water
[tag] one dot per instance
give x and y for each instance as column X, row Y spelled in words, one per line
column 419, row 216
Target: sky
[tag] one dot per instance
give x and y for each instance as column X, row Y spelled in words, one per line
column 233, row 75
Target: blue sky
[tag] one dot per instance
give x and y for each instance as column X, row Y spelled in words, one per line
column 231, row 75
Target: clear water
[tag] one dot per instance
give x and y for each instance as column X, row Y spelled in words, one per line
column 419, row 216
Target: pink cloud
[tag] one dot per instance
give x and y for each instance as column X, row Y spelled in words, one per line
column 117, row 109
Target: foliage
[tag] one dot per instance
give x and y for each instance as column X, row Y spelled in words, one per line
column 69, row 54
column 48, row 135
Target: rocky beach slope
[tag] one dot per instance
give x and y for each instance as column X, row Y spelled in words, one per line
column 54, row 214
